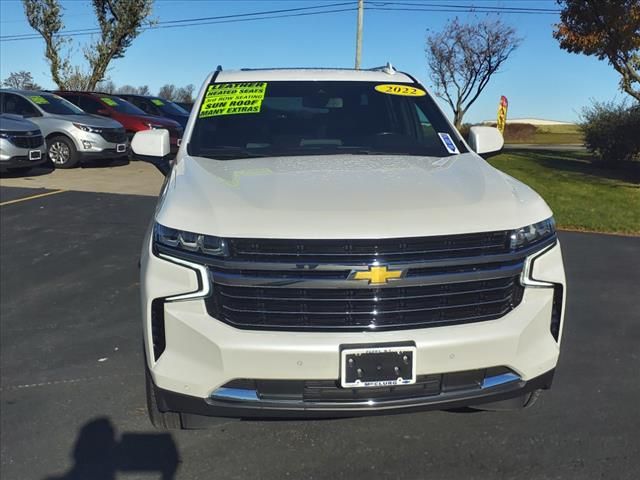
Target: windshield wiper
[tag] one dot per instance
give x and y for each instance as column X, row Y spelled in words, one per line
column 227, row 151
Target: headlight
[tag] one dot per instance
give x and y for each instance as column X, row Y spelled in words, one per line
column 87, row 128
column 6, row 135
column 188, row 241
column 526, row 236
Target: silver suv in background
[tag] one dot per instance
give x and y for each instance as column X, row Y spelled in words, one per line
column 71, row 134
column 21, row 144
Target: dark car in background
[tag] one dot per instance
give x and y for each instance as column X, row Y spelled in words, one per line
column 185, row 105
column 131, row 117
column 159, row 107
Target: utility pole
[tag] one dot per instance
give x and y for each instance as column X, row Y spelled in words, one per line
column 359, row 33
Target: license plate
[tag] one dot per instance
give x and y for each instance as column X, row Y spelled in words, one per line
column 35, row 155
column 378, row 366
column 121, row 148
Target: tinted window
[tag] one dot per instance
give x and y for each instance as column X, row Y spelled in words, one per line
column 90, row 105
column 17, row 105
column 145, row 105
column 311, row 118
column 54, row 104
column 168, row 107
column 120, row 105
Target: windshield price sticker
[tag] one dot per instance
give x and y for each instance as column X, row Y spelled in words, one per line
column 448, row 143
column 40, row 100
column 109, row 101
column 403, row 90
column 157, row 101
column 233, row 99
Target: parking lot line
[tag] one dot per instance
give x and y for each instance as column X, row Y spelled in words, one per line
column 32, row 197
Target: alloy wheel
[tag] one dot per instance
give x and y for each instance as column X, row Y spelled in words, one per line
column 59, row 153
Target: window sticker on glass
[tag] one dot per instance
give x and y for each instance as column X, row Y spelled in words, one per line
column 232, row 99
column 448, row 143
column 40, row 100
column 109, row 101
column 157, row 101
column 403, row 90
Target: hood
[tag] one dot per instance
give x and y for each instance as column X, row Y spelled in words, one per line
column 16, row 123
column 90, row 120
column 345, row 196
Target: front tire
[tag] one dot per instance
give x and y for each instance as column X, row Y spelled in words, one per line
column 62, row 152
column 160, row 420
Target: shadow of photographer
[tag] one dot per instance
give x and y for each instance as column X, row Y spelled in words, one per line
column 99, row 454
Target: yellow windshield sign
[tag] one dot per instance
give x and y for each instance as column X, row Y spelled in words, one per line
column 39, row 99
column 403, row 90
column 233, row 99
column 377, row 275
column 157, row 101
column 109, row 101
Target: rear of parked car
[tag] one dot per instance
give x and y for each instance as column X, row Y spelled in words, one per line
column 131, row 117
column 71, row 134
column 22, row 145
column 159, row 107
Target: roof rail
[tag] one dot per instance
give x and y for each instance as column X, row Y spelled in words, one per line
column 388, row 68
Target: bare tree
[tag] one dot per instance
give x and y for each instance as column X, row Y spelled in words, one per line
column 21, row 80
column 120, row 22
column 106, row 86
column 144, row 90
column 185, row 94
column 168, row 92
column 463, row 58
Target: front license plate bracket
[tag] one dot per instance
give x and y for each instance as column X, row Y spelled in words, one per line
column 378, row 366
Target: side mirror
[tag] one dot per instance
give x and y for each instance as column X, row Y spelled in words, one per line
column 153, row 146
column 485, row 141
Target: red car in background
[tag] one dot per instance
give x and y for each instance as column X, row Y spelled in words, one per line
column 131, row 117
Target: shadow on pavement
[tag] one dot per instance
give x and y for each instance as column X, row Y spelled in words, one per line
column 98, row 453
column 44, row 169
column 112, row 162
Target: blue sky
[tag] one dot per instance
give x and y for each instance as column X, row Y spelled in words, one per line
column 540, row 80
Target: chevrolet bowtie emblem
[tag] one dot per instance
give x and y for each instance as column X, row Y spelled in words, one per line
column 377, row 275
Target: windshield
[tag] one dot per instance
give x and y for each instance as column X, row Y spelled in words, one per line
column 315, row 118
column 55, row 104
column 121, row 106
column 168, row 107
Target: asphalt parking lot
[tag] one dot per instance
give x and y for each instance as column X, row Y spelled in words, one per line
column 72, row 390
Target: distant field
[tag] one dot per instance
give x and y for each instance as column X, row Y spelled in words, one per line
column 582, row 195
column 543, row 134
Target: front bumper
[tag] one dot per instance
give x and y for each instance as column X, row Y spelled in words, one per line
column 202, row 354
column 92, row 146
column 191, row 406
column 12, row 156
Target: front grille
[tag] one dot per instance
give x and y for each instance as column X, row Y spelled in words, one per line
column 362, row 308
column 365, row 251
column 114, row 135
column 24, row 140
column 318, row 285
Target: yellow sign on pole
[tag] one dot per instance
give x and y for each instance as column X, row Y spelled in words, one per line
column 502, row 114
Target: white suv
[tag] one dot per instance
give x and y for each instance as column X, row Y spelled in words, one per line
column 326, row 244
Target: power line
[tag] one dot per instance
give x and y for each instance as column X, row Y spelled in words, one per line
column 195, row 21
column 387, row 6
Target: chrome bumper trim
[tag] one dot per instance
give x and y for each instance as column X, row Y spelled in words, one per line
column 242, row 395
